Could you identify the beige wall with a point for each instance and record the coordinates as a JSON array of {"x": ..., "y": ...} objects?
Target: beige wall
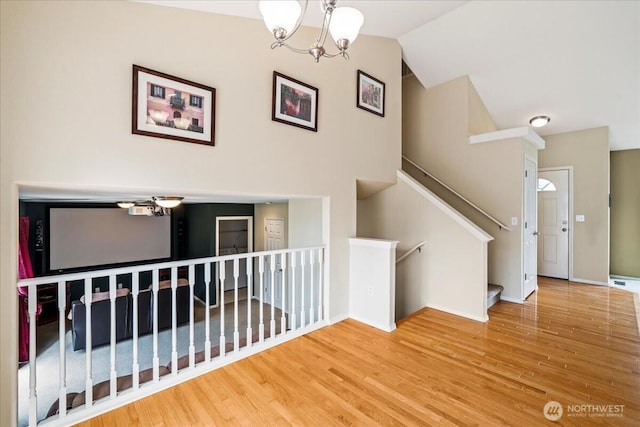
[
  {"x": 434, "y": 277},
  {"x": 66, "y": 122},
  {"x": 625, "y": 213},
  {"x": 588, "y": 152},
  {"x": 437, "y": 123}
]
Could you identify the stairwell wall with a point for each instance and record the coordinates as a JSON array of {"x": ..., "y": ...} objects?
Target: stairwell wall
[{"x": 437, "y": 123}]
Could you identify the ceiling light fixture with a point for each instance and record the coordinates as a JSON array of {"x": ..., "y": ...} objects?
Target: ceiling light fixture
[
  {"x": 539, "y": 121},
  {"x": 167, "y": 202},
  {"x": 125, "y": 205},
  {"x": 283, "y": 18}
]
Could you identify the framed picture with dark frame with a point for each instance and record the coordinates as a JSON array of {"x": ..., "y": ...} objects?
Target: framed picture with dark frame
[
  {"x": 170, "y": 107},
  {"x": 370, "y": 94},
  {"x": 294, "y": 102}
]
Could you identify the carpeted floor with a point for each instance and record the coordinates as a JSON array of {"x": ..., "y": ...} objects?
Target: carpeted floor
[{"x": 47, "y": 367}]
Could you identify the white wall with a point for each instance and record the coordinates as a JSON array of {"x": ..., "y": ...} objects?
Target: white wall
[
  {"x": 450, "y": 273},
  {"x": 66, "y": 121}
]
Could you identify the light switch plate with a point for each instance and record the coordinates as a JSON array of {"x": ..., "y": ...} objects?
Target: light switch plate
[
  {"x": 579, "y": 218},
  {"x": 514, "y": 220}
]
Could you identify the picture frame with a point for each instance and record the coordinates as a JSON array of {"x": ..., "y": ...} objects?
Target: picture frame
[
  {"x": 370, "y": 94},
  {"x": 294, "y": 103},
  {"x": 170, "y": 107}
]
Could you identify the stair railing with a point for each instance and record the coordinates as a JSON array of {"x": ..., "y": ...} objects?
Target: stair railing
[
  {"x": 417, "y": 247},
  {"x": 469, "y": 202}
]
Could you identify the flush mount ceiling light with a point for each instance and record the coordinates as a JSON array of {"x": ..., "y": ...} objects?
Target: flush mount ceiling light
[
  {"x": 283, "y": 18},
  {"x": 539, "y": 121},
  {"x": 126, "y": 205},
  {"x": 167, "y": 202}
]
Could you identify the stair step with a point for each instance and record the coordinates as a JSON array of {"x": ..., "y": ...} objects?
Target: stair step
[{"x": 493, "y": 294}]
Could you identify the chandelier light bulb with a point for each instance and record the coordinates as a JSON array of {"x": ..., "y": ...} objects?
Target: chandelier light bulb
[
  {"x": 280, "y": 14},
  {"x": 345, "y": 24}
]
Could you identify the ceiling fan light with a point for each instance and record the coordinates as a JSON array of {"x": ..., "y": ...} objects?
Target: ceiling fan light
[
  {"x": 345, "y": 24},
  {"x": 280, "y": 14},
  {"x": 125, "y": 205},
  {"x": 539, "y": 121},
  {"x": 167, "y": 202}
]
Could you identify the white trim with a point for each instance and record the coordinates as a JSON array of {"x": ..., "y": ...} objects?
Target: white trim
[
  {"x": 617, "y": 276},
  {"x": 589, "y": 282},
  {"x": 387, "y": 328},
  {"x": 483, "y": 319},
  {"x": 338, "y": 319},
  {"x": 377, "y": 243},
  {"x": 525, "y": 133},
  {"x": 476, "y": 231},
  {"x": 513, "y": 300}
]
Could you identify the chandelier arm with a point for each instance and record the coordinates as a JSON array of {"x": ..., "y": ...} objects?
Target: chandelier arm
[
  {"x": 291, "y": 48},
  {"x": 298, "y": 23}
]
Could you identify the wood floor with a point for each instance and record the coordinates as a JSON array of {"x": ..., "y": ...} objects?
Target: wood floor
[{"x": 570, "y": 343}]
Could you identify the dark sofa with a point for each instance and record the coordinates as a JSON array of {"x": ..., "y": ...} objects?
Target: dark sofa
[{"x": 101, "y": 314}]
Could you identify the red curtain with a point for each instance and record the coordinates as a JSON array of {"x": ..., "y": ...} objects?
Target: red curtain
[{"x": 25, "y": 271}]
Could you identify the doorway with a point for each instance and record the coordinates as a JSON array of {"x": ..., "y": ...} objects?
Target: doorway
[
  {"x": 274, "y": 240},
  {"x": 234, "y": 235},
  {"x": 554, "y": 228},
  {"x": 529, "y": 226}
]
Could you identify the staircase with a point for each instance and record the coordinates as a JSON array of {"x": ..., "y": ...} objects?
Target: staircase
[{"x": 493, "y": 295}]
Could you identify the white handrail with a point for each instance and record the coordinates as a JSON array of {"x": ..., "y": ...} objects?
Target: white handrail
[
  {"x": 410, "y": 251},
  {"x": 469, "y": 202}
]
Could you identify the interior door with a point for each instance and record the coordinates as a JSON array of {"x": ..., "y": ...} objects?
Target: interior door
[
  {"x": 553, "y": 202},
  {"x": 274, "y": 239},
  {"x": 530, "y": 250}
]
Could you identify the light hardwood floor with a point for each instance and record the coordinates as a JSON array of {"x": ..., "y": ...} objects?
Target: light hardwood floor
[{"x": 570, "y": 343}]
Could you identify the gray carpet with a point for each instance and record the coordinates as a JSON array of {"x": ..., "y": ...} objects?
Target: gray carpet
[{"x": 47, "y": 366}]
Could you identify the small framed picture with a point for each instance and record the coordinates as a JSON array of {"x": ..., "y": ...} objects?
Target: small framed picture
[
  {"x": 294, "y": 103},
  {"x": 169, "y": 107},
  {"x": 370, "y": 93}
]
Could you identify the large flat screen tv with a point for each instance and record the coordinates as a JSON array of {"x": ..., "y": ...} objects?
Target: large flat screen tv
[{"x": 88, "y": 237}]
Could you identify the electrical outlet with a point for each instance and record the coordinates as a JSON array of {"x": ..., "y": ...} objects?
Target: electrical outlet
[
  {"x": 514, "y": 220},
  {"x": 579, "y": 218}
]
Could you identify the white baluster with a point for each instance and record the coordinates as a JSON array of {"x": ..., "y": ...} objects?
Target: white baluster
[
  {"x": 192, "y": 347},
  {"x": 303, "y": 316},
  {"x": 283, "y": 297},
  {"x": 272, "y": 324},
  {"x": 236, "y": 333},
  {"x": 223, "y": 340},
  {"x": 33, "y": 392},
  {"x": 174, "y": 321},
  {"x": 156, "y": 360},
  {"x": 62, "y": 305},
  {"x": 293, "y": 291},
  {"x": 135, "y": 291},
  {"x": 113, "y": 384},
  {"x": 207, "y": 326},
  {"x": 312, "y": 314},
  {"x": 320, "y": 282},
  {"x": 261, "y": 322},
  {"x": 249, "y": 268},
  {"x": 88, "y": 299}
]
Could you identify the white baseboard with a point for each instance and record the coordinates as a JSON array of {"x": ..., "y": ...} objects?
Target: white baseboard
[
  {"x": 513, "y": 300},
  {"x": 459, "y": 313},
  {"x": 588, "y": 282},
  {"x": 616, "y": 276},
  {"x": 386, "y": 328},
  {"x": 338, "y": 319}
]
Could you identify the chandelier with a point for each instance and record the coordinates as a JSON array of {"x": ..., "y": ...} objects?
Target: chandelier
[{"x": 283, "y": 18}]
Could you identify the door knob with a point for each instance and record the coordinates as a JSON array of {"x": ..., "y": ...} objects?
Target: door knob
[
  {"x": 564, "y": 228},
  {"x": 535, "y": 233}
]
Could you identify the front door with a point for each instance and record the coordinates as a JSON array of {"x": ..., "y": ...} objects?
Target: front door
[
  {"x": 530, "y": 280},
  {"x": 553, "y": 203}
]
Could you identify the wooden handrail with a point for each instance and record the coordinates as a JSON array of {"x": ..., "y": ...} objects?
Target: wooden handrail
[
  {"x": 410, "y": 251},
  {"x": 469, "y": 202}
]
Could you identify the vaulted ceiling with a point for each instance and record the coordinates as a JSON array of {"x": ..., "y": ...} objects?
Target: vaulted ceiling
[{"x": 575, "y": 61}]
